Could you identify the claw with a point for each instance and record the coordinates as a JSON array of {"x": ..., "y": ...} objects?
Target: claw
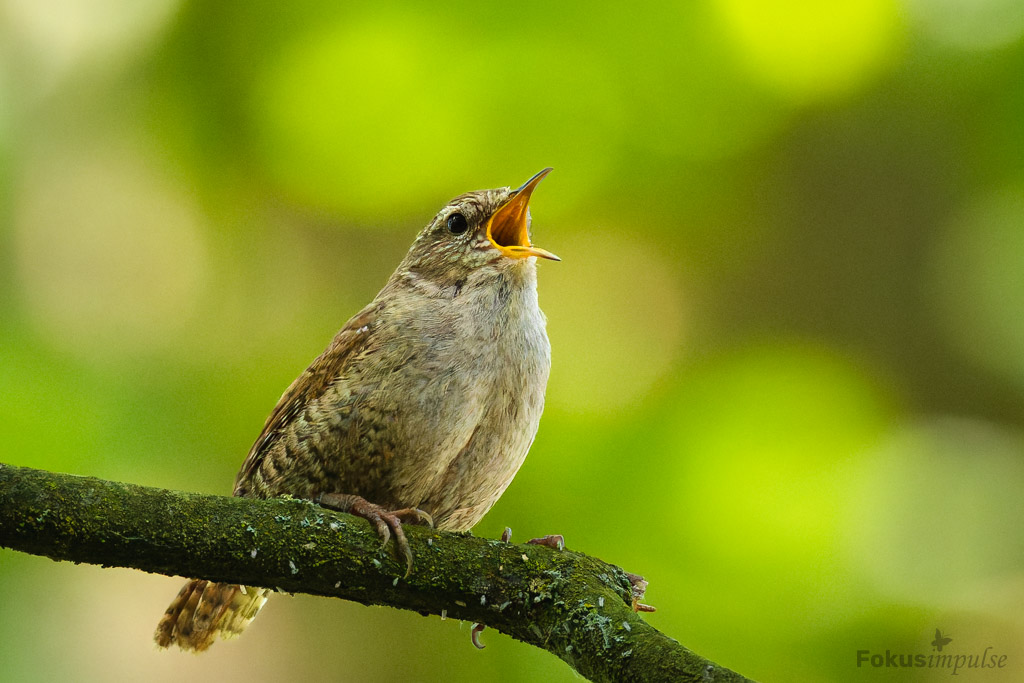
[
  {"x": 506, "y": 535},
  {"x": 475, "y": 636},
  {"x": 380, "y": 524},
  {"x": 402, "y": 543},
  {"x": 414, "y": 516},
  {"x": 639, "y": 588},
  {"x": 383, "y": 521}
]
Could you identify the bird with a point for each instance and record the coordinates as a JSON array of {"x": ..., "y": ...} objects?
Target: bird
[{"x": 420, "y": 410}]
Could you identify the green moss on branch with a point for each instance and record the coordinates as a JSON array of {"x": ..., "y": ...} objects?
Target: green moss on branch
[{"x": 573, "y": 605}]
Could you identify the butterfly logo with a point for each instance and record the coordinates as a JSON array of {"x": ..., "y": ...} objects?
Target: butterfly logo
[{"x": 940, "y": 640}]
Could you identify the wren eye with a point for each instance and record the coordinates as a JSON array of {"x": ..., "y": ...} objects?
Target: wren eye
[{"x": 457, "y": 224}]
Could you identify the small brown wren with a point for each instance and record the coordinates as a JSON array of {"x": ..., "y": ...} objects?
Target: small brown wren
[{"x": 421, "y": 409}]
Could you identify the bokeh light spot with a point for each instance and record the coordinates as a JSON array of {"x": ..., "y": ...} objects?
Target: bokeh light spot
[
  {"x": 764, "y": 436},
  {"x": 970, "y": 24},
  {"x": 110, "y": 253},
  {"x": 552, "y": 103},
  {"x": 60, "y": 36},
  {"x": 978, "y": 281},
  {"x": 928, "y": 520},
  {"x": 616, "y": 318},
  {"x": 362, "y": 119},
  {"x": 699, "y": 104},
  {"x": 806, "y": 50}
]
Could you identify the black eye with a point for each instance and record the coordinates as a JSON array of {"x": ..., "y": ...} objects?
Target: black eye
[{"x": 457, "y": 224}]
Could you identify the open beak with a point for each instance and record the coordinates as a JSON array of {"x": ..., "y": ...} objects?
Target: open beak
[{"x": 509, "y": 227}]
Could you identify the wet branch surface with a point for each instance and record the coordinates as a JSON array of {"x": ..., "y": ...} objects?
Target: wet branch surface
[{"x": 572, "y": 605}]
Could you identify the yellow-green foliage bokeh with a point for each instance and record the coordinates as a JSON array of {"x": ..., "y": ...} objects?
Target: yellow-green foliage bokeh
[{"x": 788, "y": 384}]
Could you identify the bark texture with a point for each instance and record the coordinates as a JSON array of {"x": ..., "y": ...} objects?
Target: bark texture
[{"x": 572, "y": 605}]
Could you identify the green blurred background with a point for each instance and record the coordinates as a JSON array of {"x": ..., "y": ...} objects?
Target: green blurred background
[{"x": 788, "y": 328}]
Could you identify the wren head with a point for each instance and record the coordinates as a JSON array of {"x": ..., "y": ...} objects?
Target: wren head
[{"x": 481, "y": 229}]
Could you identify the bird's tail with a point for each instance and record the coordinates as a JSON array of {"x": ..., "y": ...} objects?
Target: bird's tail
[{"x": 203, "y": 610}]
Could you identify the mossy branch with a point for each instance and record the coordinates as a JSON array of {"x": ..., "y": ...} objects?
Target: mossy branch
[{"x": 572, "y": 605}]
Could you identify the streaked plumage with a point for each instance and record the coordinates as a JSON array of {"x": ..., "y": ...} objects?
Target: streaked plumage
[{"x": 428, "y": 398}]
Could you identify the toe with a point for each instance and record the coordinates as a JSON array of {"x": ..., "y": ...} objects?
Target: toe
[
  {"x": 402, "y": 542},
  {"x": 475, "y": 636},
  {"x": 556, "y": 541},
  {"x": 425, "y": 518},
  {"x": 414, "y": 516}
]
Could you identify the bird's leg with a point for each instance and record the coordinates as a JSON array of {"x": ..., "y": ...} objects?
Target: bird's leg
[{"x": 383, "y": 520}]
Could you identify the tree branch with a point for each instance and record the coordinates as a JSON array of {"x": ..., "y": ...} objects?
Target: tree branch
[{"x": 572, "y": 605}]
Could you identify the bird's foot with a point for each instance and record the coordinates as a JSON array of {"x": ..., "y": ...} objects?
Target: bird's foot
[
  {"x": 384, "y": 521},
  {"x": 639, "y": 588},
  {"x": 556, "y": 541}
]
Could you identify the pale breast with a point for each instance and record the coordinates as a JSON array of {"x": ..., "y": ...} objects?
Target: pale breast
[
  {"x": 513, "y": 377},
  {"x": 437, "y": 412}
]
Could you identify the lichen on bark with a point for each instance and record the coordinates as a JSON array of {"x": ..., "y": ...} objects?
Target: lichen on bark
[{"x": 573, "y": 605}]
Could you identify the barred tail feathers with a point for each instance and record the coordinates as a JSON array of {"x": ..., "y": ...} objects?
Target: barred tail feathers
[{"x": 203, "y": 610}]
